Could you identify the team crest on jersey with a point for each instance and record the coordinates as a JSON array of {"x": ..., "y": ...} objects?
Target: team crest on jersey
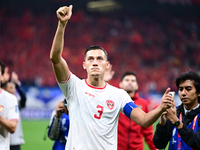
[
  {"x": 110, "y": 104},
  {"x": 1, "y": 108}
]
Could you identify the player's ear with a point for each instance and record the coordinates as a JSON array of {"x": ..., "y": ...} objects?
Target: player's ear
[
  {"x": 120, "y": 84},
  {"x": 198, "y": 94},
  {"x": 108, "y": 65},
  {"x": 137, "y": 86},
  {"x": 83, "y": 65}
]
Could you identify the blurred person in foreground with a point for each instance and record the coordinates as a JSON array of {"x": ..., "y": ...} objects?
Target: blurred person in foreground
[
  {"x": 93, "y": 104},
  {"x": 180, "y": 125},
  {"x": 59, "y": 126},
  {"x": 9, "y": 114},
  {"x": 12, "y": 85},
  {"x": 130, "y": 135}
]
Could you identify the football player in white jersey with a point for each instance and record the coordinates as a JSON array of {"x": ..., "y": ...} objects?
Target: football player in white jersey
[
  {"x": 9, "y": 114},
  {"x": 93, "y": 104},
  {"x": 12, "y": 84}
]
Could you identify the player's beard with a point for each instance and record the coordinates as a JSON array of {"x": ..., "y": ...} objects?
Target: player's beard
[
  {"x": 95, "y": 74},
  {"x": 129, "y": 89}
]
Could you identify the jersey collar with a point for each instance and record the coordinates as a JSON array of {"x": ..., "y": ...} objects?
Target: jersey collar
[{"x": 94, "y": 87}]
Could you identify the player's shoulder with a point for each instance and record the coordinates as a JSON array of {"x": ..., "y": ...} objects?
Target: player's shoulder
[
  {"x": 5, "y": 93},
  {"x": 116, "y": 89},
  {"x": 9, "y": 95},
  {"x": 72, "y": 77},
  {"x": 78, "y": 80},
  {"x": 112, "y": 87}
]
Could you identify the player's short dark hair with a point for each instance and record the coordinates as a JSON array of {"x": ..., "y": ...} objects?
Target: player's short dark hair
[
  {"x": 95, "y": 47},
  {"x": 5, "y": 84},
  {"x": 127, "y": 74},
  {"x": 189, "y": 75},
  {"x": 2, "y": 67}
]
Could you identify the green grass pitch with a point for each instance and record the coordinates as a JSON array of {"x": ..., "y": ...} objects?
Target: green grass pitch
[
  {"x": 34, "y": 132},
  {"x": 33, "y": 135}
]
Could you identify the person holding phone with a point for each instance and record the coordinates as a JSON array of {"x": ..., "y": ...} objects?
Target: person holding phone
[
  {"x": 59, "y": 126},
  {"x": 180, "y": 125}
]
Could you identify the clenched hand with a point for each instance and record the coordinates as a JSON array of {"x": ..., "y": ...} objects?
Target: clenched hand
[{"x": 64, "y": 14}]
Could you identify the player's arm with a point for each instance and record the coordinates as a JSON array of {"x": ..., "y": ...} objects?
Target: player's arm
[
  {"x": 22, "y": 102},
  {"x": 9, "y": 125},
  {"x": 54, "y": 126},
  {"x": 60, "y": 66},
  {"x": 147, "y": 119}
]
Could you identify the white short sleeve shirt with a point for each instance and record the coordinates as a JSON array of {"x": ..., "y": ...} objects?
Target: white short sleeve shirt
[
  {"x": 93, "y": 114},
  {"x": 8, "y": 110}
]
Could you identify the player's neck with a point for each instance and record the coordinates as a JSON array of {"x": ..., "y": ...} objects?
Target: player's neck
[
  {"x": 132, "y": 94},
  {"x": 97, "y": 82}
]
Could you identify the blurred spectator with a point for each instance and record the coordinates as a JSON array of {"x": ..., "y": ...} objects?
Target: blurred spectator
[
  {"x": 11, "y": 85},
  {"x": 130, "y": 135},
  {"x": 158, "y": 45},
  {"x": 9, "y": 114},
  {"x": 59, "y": 126}
]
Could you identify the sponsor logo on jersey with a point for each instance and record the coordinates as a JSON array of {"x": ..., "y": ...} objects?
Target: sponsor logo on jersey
[
  {"x": 1, "y": 108},
  {"x": 89, "y": 94},
  {"x": 110, "y": 104}
]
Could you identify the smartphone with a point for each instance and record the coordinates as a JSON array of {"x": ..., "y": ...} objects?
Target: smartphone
[{"x": 172, "y": 93}]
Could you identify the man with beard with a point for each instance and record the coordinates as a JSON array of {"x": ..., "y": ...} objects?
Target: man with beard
[{"x": 130, "y": 135}]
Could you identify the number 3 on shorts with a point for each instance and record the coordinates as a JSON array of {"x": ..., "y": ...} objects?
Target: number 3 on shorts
[{"x": 100, "y": 112}]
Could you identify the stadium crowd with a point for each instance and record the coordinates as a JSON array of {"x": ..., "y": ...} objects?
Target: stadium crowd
[{"x": 158, "y": 46}]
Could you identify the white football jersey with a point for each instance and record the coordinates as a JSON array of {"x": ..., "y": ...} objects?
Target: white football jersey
[
  {"x": 9, "y": 110},
  {"x": 93, "y": 114}
]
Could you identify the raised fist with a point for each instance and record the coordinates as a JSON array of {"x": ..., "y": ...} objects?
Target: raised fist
[{"x": 64, "y": 14}]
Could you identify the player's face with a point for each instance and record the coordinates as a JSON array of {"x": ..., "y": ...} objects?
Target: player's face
[
  {"x": 187, "y": 93},
  {"x": 95, "y": 63},
  {"x": 129, "y": 83},
  {"x": 10, "y": 88}
]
